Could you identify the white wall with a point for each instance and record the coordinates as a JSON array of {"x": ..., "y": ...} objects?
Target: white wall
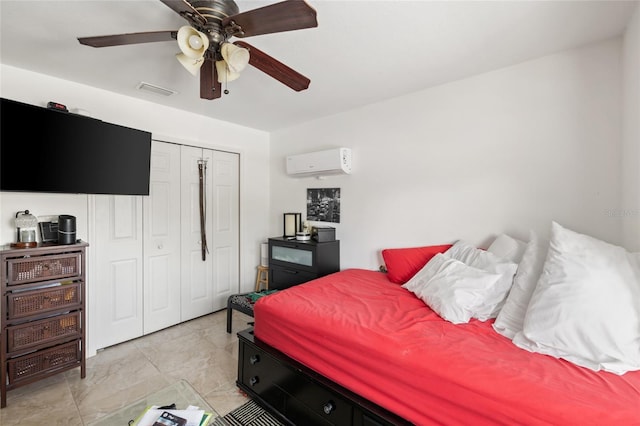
[
  {"x": 506, "y": 151},
  {"x": 629, "y": 210},
  {"x": 165, "y": 124}
]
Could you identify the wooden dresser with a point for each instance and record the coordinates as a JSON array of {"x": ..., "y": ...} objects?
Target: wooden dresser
[{"x": 42, "y": 313}]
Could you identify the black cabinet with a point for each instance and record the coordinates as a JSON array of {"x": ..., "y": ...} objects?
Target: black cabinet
[
  {"x": 298, "y": 395},
  {"x": 293, "y": 262}
]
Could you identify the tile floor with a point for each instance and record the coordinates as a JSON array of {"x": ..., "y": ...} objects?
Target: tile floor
[{"x": 199, "y": 351}]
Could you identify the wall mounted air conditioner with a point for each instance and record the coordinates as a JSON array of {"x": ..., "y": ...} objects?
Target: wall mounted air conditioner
[{"x": 334, "y": 161}]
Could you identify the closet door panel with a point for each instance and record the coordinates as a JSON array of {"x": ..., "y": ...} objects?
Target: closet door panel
[
  {"x": 224, "y": 244},
  {"x": 197, "y": 274},
  {"x": 122, "y": 274},
  {"x": 118, "y": 277},
  {"x": 162, "y": 239}
]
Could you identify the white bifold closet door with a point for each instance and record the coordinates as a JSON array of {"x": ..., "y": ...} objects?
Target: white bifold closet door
[
  {"x": 162, "y": 239},
  {"x": 206, "y": 284},
  {"x": 117, "y": 285},
  {"x": 149, "y": 272},
  {"x": 224, "y": 245}
]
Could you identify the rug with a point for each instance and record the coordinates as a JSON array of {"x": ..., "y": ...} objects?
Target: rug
[{"x": 249, "y": 414}]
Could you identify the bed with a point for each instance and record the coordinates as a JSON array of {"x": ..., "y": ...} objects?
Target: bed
[{"x": 366, "y": 337}]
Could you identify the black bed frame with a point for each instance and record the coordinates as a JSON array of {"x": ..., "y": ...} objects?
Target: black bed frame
[{"x": 299, "y": 396}]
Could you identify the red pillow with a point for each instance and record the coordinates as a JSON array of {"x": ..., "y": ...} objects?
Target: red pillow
[{"x": 404, "y": 263}]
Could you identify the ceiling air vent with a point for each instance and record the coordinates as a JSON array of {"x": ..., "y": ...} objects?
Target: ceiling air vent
[{"x": 155, "y": 89}]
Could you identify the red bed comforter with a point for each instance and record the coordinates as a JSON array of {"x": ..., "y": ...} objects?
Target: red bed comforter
[{"x": 380, "y": 341}]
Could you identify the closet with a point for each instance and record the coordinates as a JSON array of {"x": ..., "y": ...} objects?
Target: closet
[
  {"x": 151, "y": 269},
  {"x": 209, "y": 282}
]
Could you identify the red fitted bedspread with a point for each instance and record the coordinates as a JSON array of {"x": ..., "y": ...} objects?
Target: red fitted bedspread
[{"x": 380, "y": 341}]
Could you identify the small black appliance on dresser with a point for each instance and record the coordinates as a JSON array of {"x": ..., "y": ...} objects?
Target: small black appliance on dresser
[
  {"x": 66, "y": 229},
  {"x": 293, "y": 262},
  {"x": 322, "y": 234}
]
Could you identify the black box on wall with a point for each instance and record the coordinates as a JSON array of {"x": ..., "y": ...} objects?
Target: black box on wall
[{"x": 323, "y": 234}]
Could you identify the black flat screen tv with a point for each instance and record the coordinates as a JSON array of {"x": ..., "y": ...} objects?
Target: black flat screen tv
[{"x": 47, "y": 150}]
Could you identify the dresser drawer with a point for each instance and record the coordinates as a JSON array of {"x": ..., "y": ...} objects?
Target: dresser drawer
[
  {"x": 26, "y": 303},
  {"x": 43, "y": 268},
  {"x": 45, "y": 361},
  {"x": 281, "y": 278},
  {"x": 43, "y": 332},
  {"x": 320, "y": 401},
  {"x": 289, "y": 254}
]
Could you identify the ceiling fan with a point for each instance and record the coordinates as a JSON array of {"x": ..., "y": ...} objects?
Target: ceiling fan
[{"x": 205, "y": 45}]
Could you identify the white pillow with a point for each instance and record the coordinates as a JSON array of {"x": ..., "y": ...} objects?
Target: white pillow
[
  {"x": 489, "y": 262},
  {"x": 511, "y": 316},
  {"x": 508, "y": 248},
  {"x": 452, "y": 289},
  {"x": 586, "y": 305}
]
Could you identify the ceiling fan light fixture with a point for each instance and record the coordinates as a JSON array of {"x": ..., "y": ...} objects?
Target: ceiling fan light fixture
[
  {"x": 192, "y": 42},
  {"x": 204, "y": 40},
  {"x": 195, "y": 42},
  {"x": 236, "y": 57},
  {"x": 225, "y": 74},
  {"x": 192, "y": 65}
]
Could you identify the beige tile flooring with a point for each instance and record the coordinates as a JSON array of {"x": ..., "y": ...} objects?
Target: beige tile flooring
[{"x": 199, "y": 351}]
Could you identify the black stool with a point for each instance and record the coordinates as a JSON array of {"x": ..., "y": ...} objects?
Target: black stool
[
  {"x": 239, "y": 302},
  {"x": 244, "y": 303}
]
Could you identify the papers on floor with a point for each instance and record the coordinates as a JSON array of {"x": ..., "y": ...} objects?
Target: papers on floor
[{"x": 193, "y": 415}]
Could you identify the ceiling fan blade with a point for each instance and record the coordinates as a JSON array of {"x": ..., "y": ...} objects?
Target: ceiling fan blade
[
  {"x": 275, "y": 68},
  {"x": 184, "y": 9},
  {"x": 279, "y": 17},
  {"x": 131, "y": 38},
  {"x": 210, "y": 87}
]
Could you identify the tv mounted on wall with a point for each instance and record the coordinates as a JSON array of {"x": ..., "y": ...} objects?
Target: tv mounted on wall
[{"x": 47, "y": 150}]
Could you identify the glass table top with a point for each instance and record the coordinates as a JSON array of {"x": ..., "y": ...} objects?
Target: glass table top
[{"x": 181, "y": 393}]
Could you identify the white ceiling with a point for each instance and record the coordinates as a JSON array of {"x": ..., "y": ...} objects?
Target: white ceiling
[{"x": 362, "y": 52}]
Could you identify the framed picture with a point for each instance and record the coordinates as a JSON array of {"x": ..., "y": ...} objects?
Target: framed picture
[{"x": 323, "y": 204}]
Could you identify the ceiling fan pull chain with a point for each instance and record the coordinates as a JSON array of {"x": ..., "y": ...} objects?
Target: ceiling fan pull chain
[{"x": 226, "y": 78}]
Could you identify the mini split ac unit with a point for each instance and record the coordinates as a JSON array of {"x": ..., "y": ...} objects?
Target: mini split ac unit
[{"x": 334, "y": 161}]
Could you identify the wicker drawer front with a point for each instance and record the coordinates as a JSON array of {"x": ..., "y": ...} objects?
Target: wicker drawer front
[
  {"x": 27, "y": 366},
  {"x": 26, "y": 303},
  {"x": 36, "y": 333},
  {"x": 27, "y": 270}
]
